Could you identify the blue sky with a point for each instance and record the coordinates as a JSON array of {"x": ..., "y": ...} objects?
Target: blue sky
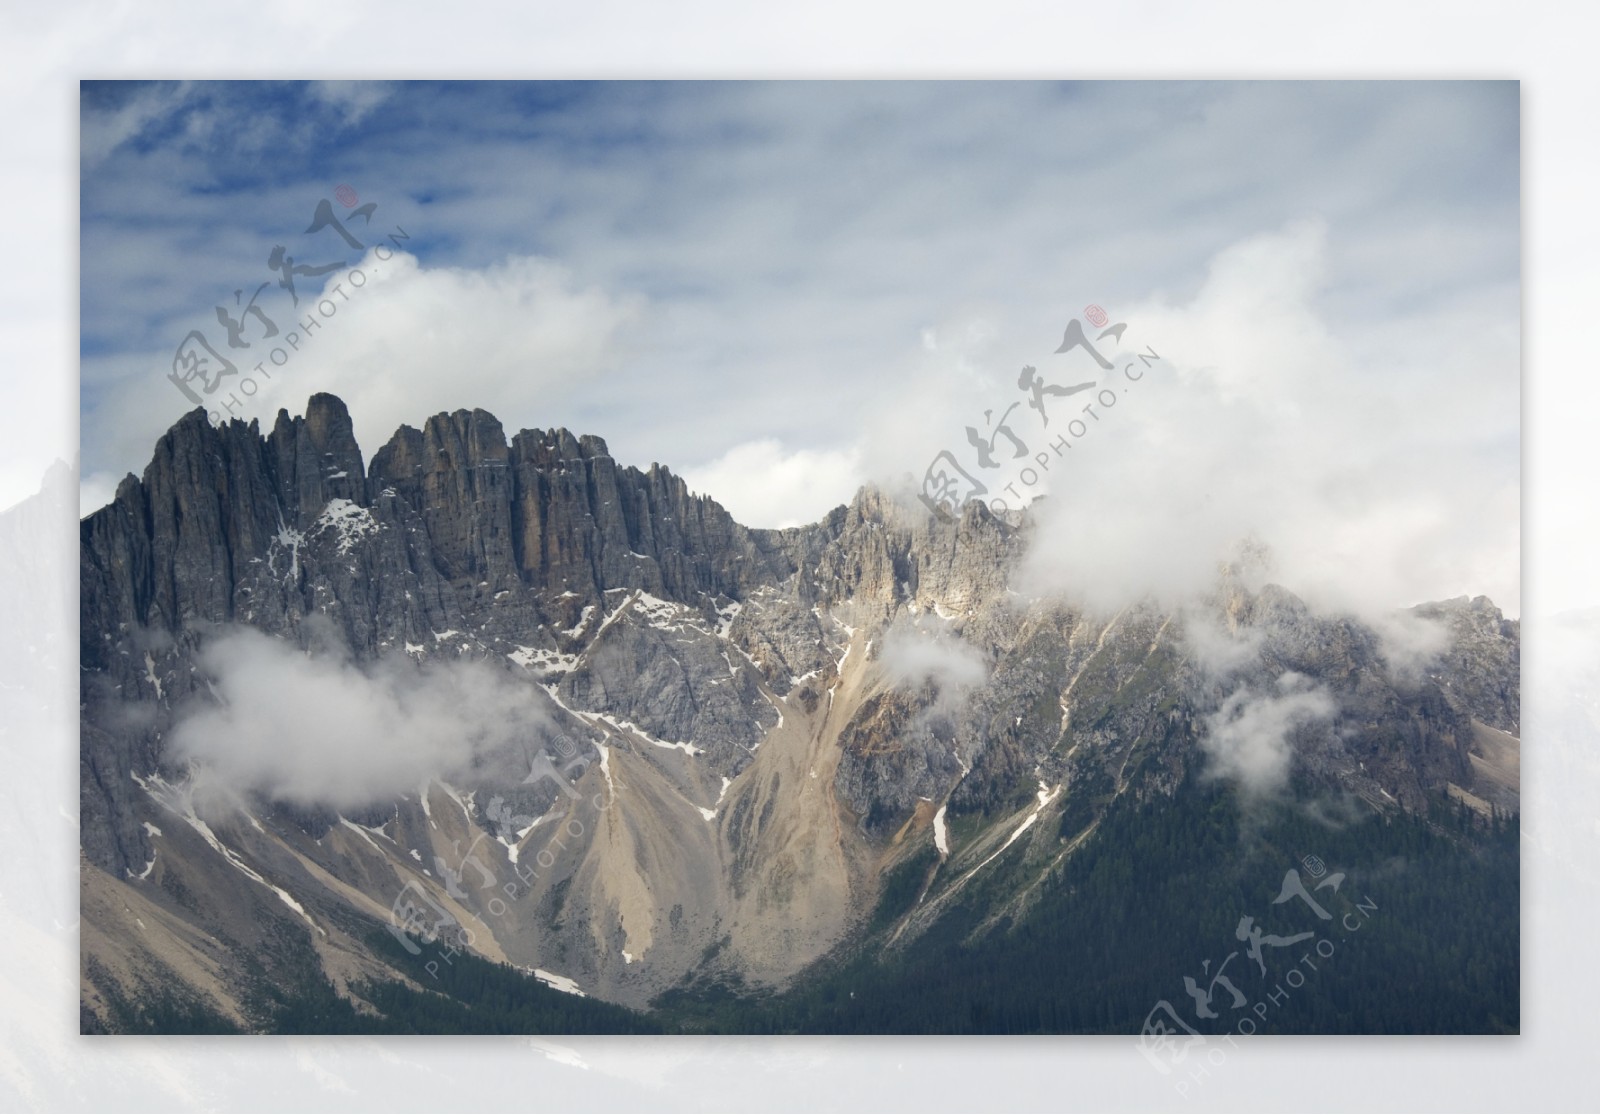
[{"x": 783, "y": 289}]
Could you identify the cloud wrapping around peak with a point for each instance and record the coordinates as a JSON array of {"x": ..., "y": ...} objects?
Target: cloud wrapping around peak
[
  {"x": 1380, "y": 471},
  {"x": 1410, "y": 644},
  {"x": 1220, "y": 651}
]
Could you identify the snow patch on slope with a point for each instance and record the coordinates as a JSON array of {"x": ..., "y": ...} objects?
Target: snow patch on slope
[
  {"x": 548, "y": 661},
  {"x": 290, "y": 539},
  {"x": 366, "y": 833},
  {"x": 583, "y": 618},
  {"x": 150, "y": 673},
  {"x": 687, "y": 746},
  {"x": 180, "y": 801},
  {"x": 349, "y": 521},
  {"x": 560, "y": 983},
  {"x": 1046, "y": 795}
]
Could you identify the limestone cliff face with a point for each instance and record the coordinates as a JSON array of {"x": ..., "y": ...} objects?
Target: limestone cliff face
[{"x": 743, "y": 700}]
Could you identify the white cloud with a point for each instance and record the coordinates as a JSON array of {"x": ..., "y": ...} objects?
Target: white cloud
[
  {"x": 104, "y": 130},
  {"x": 515, "y": 339},
  {"x": 761, "y": 485},
  {"x": 1377, "y": 465},
  {"x": 838, "y": 267},
  {"x": 1219, "y": 649},
  {"x": 1410, "y": 645},
  {"x": 95, "y": 491},
  {"x": 917, "y": 653},
  {"x": 321, "y": 730},
  {"x": 1248, "y": 739},
  {"x": 352, "y": 99}
]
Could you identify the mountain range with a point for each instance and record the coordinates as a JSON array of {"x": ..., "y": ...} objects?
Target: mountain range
[{"x": 498, "y": 733}]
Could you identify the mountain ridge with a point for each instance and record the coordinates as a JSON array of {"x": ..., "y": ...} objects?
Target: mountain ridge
[{"x": 782, "y": 716}]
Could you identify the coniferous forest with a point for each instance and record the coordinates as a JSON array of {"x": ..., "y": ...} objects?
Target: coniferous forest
[{"x": 1157, "y": 893}]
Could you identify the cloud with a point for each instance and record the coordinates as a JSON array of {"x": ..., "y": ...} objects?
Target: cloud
[
  {"x": 353, "y": 100},
  {"x": 1378, "y": 467},
  {"x": 95, "y": 491},
  {"x": 514, "y": 338},
  {"x": 1248, "y": 739},
  {"x": 322, "y": 730},
  {"x": 917, "y": 654},
  {"x": 1410, "y": 644},
  {"x": 761, "y": 485},
  {"x": 115, "y": 113},
  {"x": 1217, "y": 649}
]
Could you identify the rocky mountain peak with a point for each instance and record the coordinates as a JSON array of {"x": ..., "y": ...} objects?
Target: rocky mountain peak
[
  {"x": 783, "y": 714},
  {"x": 1479, "y": 659}
]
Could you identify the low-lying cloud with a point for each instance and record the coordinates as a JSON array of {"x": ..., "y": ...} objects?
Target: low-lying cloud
[
  {"x": 1249, "y": 739},
  {"x": 1219, "y": 650},
  {"x": 1410, "y": 644},
  {"x": 916, "y": 654},
  {"x": 316, "y": 730}
]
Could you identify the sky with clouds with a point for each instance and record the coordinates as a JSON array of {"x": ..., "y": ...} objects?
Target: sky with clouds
[{"x": 781, "y": 290}]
